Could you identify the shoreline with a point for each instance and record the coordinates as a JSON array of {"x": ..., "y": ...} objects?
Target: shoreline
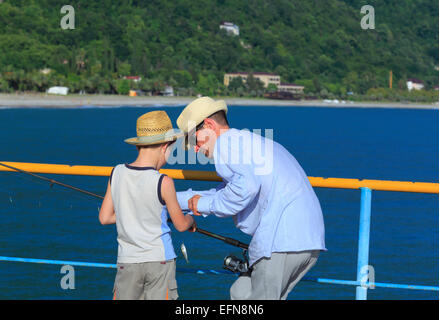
[{"x": 35, "y": 100}]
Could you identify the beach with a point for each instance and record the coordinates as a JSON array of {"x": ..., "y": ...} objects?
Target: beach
[{"x": 29, "y": 100}]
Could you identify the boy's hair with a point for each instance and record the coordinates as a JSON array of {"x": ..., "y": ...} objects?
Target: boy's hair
[{"x": 153, "y": 146}]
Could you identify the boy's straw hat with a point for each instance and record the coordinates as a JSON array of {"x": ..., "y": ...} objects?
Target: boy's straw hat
[
  {"x": 196, "y": 112},
  {"x": 153, "y": 128}
]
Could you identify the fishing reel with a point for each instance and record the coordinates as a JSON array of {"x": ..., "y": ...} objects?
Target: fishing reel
[{"x": 237, "y": 265}]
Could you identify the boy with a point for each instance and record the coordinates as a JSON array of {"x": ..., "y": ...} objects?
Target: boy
[{"x": 135, "y": 200}]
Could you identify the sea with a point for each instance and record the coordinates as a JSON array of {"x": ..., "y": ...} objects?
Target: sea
[{"x": 44, "y": 221}]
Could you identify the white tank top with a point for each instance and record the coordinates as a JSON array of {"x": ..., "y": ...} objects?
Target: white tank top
[{"x": 143, "y": 234}]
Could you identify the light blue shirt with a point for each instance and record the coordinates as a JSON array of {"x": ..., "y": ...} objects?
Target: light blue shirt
[{"x": 266, "y": 192}]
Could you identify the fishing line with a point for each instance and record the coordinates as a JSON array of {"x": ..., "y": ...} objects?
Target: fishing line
[
  {"x": 52, "y": 181},
  {"x": 227, "y": 240},
  {"x": 42, "y": 181}
]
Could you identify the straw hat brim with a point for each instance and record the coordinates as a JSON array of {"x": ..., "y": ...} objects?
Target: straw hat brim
[
  {"x": 169, "y": 136},
  {"x": 195, "y": 113}
]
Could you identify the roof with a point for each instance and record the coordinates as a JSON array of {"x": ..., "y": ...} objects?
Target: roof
[
  {"x": 414, "y": 80},
  {"x": 225, "y": 23},
  {"x": 254, "y": 73}
]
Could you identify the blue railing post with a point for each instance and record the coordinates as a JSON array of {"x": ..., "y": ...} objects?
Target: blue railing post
[{"x": 363, "y": 243}]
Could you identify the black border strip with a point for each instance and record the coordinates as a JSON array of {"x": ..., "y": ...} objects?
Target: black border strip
[
  {"x": 159, "y": 189},
  {"x": 138, "y": 168},
  {"x": 111, "y": 175}
]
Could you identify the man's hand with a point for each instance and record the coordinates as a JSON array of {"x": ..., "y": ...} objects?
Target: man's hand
[{"x": 192, "y": 204}]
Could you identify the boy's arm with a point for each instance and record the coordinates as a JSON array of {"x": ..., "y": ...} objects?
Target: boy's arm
[
  {"x": 107, "y": 214},
  {"x": 181, "y": 222}
]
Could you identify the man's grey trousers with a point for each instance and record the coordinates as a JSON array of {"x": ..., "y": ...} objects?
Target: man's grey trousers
[{"x": 274, "y": 278}]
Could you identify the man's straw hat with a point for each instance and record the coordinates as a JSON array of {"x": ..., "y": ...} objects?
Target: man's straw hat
[
  {"x": 154, "y": 127},
  {"x": 196, "y": 112}
]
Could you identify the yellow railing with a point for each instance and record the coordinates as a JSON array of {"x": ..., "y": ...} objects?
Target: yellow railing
[{"x": 383, "y": 185}]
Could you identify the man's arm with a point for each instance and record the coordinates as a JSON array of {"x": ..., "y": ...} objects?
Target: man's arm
[
  {"x": 234, "y": 162},
  {"x": 184, "y": 196},
  {"x": 234, "y": 198}
]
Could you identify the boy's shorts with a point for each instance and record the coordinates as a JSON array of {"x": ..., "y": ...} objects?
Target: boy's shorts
[{"x": 145, "y": 281}]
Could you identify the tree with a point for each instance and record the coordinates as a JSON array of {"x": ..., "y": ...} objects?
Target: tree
[
  {"x": 123, "y": 87},
  {"x": 254, "y": 84},
  {"x": 235, "y": 84},
  {"x": 166, "y": 40},
  {"x": 4, "y": 86},
  {"x": 271, "y": 88},
  {"x": 124, "y": 69},
  {"x": 207, "y": 85}
]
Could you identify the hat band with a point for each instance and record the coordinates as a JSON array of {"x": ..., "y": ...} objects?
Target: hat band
[
  {"x": 154, "y": 138},
  {"x": 168, "y": 136}
]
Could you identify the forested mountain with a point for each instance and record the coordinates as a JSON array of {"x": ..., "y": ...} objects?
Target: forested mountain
[{"x": 319, "y": 43}]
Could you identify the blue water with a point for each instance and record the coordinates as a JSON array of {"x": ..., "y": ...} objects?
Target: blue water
[{"x": 38, "y": 221}]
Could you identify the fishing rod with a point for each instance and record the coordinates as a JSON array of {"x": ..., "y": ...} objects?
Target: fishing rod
[
  {"x": 52, "y": 182},
  {"x": 227, "y": 240}
]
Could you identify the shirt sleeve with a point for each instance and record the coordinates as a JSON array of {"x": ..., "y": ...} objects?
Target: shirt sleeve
[
  {"x": 184, "y": 196},
  {"x": 243, "y": 186}
]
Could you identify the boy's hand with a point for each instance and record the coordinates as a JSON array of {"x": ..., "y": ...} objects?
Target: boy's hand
[{"x": 192, "y": 204}]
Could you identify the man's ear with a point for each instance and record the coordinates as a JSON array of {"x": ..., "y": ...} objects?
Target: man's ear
[{"x": 210, "y": 123}]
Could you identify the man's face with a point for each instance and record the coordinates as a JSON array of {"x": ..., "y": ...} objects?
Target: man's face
[{"x": 206, "y": 138}]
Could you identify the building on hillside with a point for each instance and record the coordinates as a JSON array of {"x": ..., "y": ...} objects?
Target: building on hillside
[
  {"x": 58, "y": 90},
  {"x": 133, "y": 78},
  {"x": 264, "y": 77},
  {"x": 230, "y": 27},
  {"x": 46, "y": 71},
  {"x": 168, "y": 92},
  {"x": 415, "y": 84},
  {"x": 436, "y": 88},
  {"x": 290, "y": 87}
]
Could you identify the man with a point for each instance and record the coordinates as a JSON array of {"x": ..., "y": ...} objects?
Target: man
[{"x": 274, "y": 203}]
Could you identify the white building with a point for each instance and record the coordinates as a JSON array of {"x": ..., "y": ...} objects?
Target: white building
[
  {"x": 290, "y": 87},
  {"x": 415, "y": 84},
  {"x": 265, "y": 77},
  {"x": 230, "y": 27},
  {"x": 58, "y": 90},
  {"x": 168, "y": 92},
  {"x": 44, "y": 71}
]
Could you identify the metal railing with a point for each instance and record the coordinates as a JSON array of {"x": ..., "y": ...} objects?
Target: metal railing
[{"x": 362, "y": 282}]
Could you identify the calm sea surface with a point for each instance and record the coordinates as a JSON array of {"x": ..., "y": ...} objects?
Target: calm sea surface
[{"x": 38, "y": 221}]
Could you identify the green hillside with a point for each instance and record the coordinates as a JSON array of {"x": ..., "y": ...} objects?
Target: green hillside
[{"x": 318, "y": 43}]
